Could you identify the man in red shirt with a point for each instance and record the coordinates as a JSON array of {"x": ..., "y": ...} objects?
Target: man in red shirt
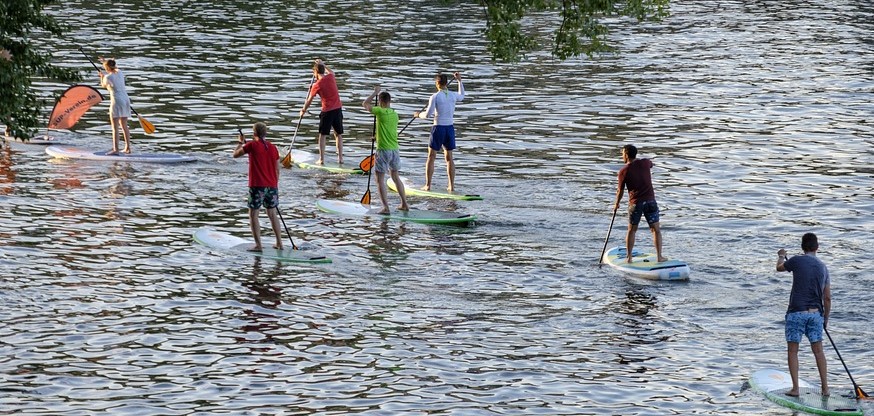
[
  {"x": 331, "y": 115},
  {"x": 263, "y": 181},
  {"x": 635, "y": 175}
]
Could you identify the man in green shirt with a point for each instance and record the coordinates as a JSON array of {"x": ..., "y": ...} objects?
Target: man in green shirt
[{"x": 388, "y": 157}]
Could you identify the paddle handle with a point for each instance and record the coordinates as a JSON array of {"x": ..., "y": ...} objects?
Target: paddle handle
[{"x": 609, "y": 230}]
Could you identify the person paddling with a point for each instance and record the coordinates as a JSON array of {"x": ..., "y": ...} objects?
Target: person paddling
[
  {"x": 387, "y": 150},
  {"x": 810, "y": 303},
  {"x": 441, "y": 106},
  {"x": 263, "y": 181},
  {"x": 636, "y": 176},
  {"x": 119, "y": 108},
  {"x": 331, "y": 116}
]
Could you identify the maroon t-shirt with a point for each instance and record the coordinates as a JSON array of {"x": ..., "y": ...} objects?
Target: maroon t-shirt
[
  {"x": 262, "y": 163},
  {"x": 637, "y": 180}
]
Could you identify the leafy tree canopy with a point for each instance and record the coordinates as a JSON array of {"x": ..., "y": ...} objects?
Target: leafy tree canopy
[
  {"x": 581, "y": 30},
  {"x": 21, "y": 61}
]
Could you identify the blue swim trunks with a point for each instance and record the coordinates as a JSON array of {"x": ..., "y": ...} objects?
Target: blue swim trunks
[
  {"x": 806, "y": 323},
  {"x": 442, "y": 137},
  {"x": 648, "y": 209}
]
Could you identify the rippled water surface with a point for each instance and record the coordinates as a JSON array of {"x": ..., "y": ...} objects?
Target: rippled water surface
[{"x": 757, "y": 115}]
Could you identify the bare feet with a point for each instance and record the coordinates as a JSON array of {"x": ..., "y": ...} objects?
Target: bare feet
[
  {"x": 340, "y": 160},
  {"x": 426, "y": 188},
  {"x": 663, "y": 259},
  {"x": 404, "y": 208},
  {"x": 254, "y": 248},
  {"x": 126, "y": 150},
  {"x": 792, "y": 393},
  {"x": 277, "y": 246},
  {"x": 825, "y": 393},
  {"x": 628, "y": 260},
  {"x": 384, "y": 211},
  {"x": 320, "y": 162},
  {"x": 450, "y": 189},
  {"x": 112, "y": 152}
]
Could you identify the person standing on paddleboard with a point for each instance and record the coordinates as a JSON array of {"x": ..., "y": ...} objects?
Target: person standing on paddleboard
[
  {"x": 810, "y": 303},
  {"x": 119, "y": 107},
  {"x": 388, "y": 157},
  {"x": 441, "y": 106},
  {"x": 331, "y": 115},
  {"x": 263, "y": 181},
  {"x": 636, "y": 176}
]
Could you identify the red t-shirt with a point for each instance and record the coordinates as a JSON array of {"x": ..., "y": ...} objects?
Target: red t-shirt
[
  {"x": 326, "y": 88},
  {"x": 636, "y": 177},
  {"x": 263, "y": 157}
]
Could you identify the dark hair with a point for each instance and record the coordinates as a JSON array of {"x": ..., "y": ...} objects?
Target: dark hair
[
  {"x": 319, "y": 67},
  {"x": 260, "y": 130},
  {"x": 110, "y": 63},
  {"x": 809, "y": 242},
  {"x": 441, "y": 79},
  {"x": 630, "y": 150},
  {"x": 384, "y": 97}
]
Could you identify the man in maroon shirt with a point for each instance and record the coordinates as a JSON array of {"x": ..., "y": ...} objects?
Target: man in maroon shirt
[
  {"x": 331, "y": 115},
  {"x": 635, "y": 175},
  {"x": 263, "y": 181}
]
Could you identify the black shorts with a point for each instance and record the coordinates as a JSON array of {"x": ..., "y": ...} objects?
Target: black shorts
[{"x": 331, "y": 119}]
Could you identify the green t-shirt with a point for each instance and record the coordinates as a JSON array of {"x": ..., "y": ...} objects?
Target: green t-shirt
[{"x": 386, "y": 128}]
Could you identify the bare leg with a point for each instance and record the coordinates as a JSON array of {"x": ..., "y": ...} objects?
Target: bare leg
[
  {"x": 338, "y": 141},
  {"x": 383, "y": 193},
  {"x": 256, "y": 229},
  {"x": 657, "y": 240},
  {"x": 792, "y": 356},
  {"x": 114, "y": 136},
  {"x": 321, "y": 160},
  {"x": 450, "y": 169},
  {"x": 122, "y": 121},
  {"x": 274, "y": 222},
  {"x": 401, "y": 190},
  {"x": 629, "y": 241},
  {"x": 821, "y": 366},
  {"x": 429, "y": 168}
]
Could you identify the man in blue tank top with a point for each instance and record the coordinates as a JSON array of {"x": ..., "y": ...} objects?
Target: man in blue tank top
[{"x": 809, "y": 306}]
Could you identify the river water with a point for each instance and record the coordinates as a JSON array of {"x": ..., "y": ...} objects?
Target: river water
[{"x": 757, "y": 115}]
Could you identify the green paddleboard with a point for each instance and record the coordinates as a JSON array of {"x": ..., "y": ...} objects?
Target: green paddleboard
[
  {"x": 307, "y": 160},
  {"x": 774, "y": 383},
  {"x": 412, "y": 189},
  {"x": 413, "y": 215}
]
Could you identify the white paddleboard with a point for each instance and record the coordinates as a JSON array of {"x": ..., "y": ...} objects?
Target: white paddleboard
[
  {"x": 774, "y": 383},
  {"x": 69, "y": 152},
  {"x": 225, "y": 242},
  {"x": 413, "y": 215},
  {"x": 413, "y": 190},
  {"x": 307, "y": 160},
  {"x": 646, "y": 265}
]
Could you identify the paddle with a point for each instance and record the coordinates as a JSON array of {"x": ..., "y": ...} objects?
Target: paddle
[
  {"x": 601, "y": 258},
  {"x": 365, "y": 200},
  {"x": 423, "y": 109},
  {"x": 860, "y": 394},
  {"x": 287, "y": 159},
  {"x": 286, "y": 228},
  {"x": 147, "y": 126}
]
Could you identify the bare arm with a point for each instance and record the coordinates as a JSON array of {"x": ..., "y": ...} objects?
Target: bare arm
[
  {"x": 368, "y": 102},
  {"x": 238, "y": 151},
  {"x": 781, "y": 258},
  {"x": 620, "y": 191},
  {"x": 826, "y": 304}
]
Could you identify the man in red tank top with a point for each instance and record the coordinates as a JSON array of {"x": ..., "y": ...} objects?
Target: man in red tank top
[
  {"x": 263, "y": 181},
  {"x": 635, "y": 176},
  {"x": 331, "y": 116}
]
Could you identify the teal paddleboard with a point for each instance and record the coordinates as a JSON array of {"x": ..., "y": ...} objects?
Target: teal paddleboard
[
  {"x": 412, "y": 189},
  {"x": 225, "y": 242},
  {"x": 307, "y": 160},
  {"x": 774, "y": 383},
  {"x": 413, "y": 215}
]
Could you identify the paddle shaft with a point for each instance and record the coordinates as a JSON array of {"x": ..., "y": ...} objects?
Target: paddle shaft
[
  {"x": 857, "y": 390},
  {"x": 286, "y": 228},
  {"x": 610, "y": 229},
  {"x": 423, "y": 109},
  {"x": 300, "y": 119},
  {"x": 366, "y": 198}
]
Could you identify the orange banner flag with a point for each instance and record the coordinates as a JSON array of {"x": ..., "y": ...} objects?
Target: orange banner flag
[{"x": 72, "y": 105}]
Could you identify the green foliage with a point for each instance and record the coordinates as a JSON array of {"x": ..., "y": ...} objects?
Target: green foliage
[
  {"x": 20, "y": 22},
  {"x": 581, "y": 30}
]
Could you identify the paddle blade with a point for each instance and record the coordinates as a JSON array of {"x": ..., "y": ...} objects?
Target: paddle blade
[
  {"x": 147, "y": 126},
  {"x": 861, "y": 395},
  {"x": 287, "y": 161},
  {"x": 365, "y": 200},
  {"x": 367, "y": 163}
]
